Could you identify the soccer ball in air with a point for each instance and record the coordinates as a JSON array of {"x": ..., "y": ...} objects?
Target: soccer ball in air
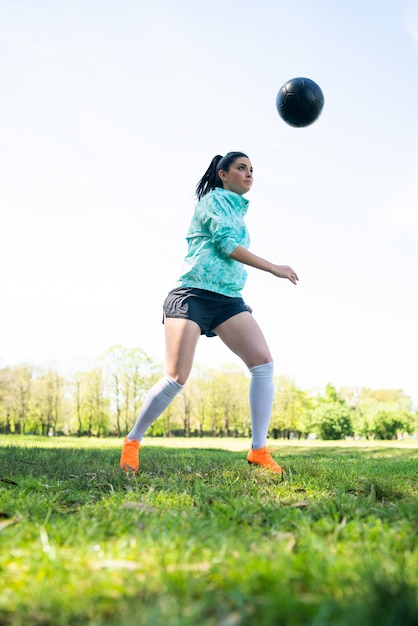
[{"x": 300, "y": 102}]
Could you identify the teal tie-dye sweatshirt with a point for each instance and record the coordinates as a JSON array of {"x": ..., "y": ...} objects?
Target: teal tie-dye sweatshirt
[{"x": 216, "y": 229}]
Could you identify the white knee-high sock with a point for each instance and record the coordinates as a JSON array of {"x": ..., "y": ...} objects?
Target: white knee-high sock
[
  {"x": 156, "y": 401},
  {"x": 261, "y": 402}
]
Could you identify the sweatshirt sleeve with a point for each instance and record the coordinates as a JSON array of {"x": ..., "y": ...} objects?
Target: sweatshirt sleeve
[{"x": 219, "y": 221}]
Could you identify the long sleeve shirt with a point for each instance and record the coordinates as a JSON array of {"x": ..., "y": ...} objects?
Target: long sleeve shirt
[{"x": 216, "y": 229}]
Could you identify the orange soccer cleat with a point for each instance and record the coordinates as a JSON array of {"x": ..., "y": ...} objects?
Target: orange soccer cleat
[
  {"x": 263, "y": 457},
  {"x": 129, "y": 460}
]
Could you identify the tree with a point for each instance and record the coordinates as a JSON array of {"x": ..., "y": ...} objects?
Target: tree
[
  {"x": 201, "y": 386},
  {"x": 330, "y": 396},
  {"x": 129, "y": 373},
  {"x": 78, "y": 389},
  {"x": 387, "y": 424},
  {"x": 6, "y": 401},
  {"x": 186, "y": 404},
  {"x": 228, "y": 401},
  {"x": 393, "y": 397},
  {"x": 20, "y": 397},
  {"x": 48, "y": 402},
  {"x": 91, "y": 402},
  {"x": 289, "y": 408},
  {"x": 332, "y": 420},
  {"x": 392, "y": 403}
]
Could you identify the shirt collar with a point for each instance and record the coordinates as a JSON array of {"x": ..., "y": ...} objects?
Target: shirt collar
[{"x": 237, "y": 198}]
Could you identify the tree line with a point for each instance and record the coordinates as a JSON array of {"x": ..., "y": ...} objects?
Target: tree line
[{"x": 105, "y": 399}]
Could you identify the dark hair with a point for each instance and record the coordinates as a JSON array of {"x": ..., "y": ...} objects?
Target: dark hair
[{"x": 210, "y": 178}]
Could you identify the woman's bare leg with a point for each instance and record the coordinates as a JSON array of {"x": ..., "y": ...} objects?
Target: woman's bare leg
[
  {"x": 181, "y": 337},
  {"x": 244, "y": 337}
]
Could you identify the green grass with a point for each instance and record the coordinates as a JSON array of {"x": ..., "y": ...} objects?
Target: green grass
[{"x": 201, "y": 538}]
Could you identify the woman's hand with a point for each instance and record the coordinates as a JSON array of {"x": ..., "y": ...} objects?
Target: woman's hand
[{"x": 284, "y": 271}]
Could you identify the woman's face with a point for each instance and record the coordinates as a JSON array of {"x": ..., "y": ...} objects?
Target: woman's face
[{"x": 239, "y": 177}]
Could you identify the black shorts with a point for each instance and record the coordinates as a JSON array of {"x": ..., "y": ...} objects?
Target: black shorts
[{"x": 206, "y": 308}]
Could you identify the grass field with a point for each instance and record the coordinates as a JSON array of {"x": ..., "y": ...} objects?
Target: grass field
[{"x": 200, "y": 538}]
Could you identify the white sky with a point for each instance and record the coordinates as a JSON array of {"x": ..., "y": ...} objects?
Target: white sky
[{"x": 110, "y": 113}]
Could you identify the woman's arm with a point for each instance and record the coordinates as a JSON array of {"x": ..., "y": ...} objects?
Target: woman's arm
[{"x": 249, "y": 258}]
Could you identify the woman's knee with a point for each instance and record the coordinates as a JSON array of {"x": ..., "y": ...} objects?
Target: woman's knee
[
  {"x": 180, "y": 377},
  {"x": 261, "y": 359}
]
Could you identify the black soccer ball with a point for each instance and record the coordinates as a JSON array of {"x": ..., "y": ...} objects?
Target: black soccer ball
[{"x": 300, "y": 102}]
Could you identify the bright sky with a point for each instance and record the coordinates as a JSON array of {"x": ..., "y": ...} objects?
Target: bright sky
[{"x": 110, "y": 112}]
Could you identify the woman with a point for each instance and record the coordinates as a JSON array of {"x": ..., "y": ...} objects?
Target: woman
[{"x": 207, "y": 300}]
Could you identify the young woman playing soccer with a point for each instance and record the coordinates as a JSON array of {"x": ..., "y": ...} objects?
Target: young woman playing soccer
[{"x": 207, "y": 300}]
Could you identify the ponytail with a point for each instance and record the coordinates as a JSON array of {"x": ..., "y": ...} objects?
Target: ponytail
[{"x": 210, "y": 179}]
